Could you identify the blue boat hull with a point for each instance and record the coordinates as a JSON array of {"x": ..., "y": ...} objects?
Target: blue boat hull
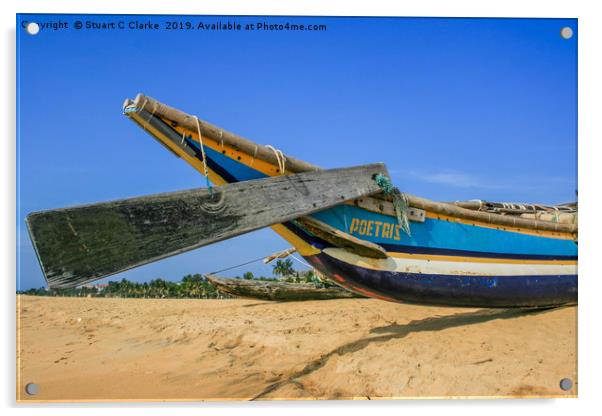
[{"x": 450, "y": 290}]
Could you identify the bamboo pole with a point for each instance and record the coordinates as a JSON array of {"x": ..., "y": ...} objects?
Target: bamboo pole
[{"x": 218, "y": 134}]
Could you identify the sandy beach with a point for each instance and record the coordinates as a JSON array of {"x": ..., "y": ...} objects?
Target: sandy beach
[{"x": 145, "y": 349}]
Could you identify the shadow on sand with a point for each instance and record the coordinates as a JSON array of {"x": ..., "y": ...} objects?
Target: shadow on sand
[{"x": 395, "y": 331}]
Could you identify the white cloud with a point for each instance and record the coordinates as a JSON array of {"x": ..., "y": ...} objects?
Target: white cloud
[
  {"x": 451, "y": 178},
  {"x": 466, "y": 180}
]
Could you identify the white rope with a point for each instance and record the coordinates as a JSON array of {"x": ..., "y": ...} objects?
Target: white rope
[
  {"x": 198, "y": 126},
  {"x": 279, "y": 157},
  {"x": 149, "y": 116},
  {"x": 301, "y": 261}
]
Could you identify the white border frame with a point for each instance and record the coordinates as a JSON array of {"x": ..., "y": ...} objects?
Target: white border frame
[{"x": 590, "y": 68}]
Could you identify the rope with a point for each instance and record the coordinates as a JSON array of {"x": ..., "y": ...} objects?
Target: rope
[
  {"x": 198, "y": 126},
  {"x": 238, "y": 265},
  {"x": 301, "y": 261},
  {"x": 400, "y": 201},
  {"x": 280, "y": 158},
  {"x": 254, "y": 261}
]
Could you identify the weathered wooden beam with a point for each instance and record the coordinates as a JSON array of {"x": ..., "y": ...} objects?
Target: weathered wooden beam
[
  {"x": 341, "y": 239},
  {"x": 278, "y": 291},
  {"x": 85, "y": 243},
  {"x": 279, "y": 255}
]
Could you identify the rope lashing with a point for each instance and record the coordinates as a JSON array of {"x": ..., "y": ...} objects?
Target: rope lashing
[
  {"x": 384, "y": 183},
  {"x": 280, "y": 158},
  {"x": 400, "y": 201},
  {"x": 556, "y": 215},
  {"x": 198, "y": 126}
]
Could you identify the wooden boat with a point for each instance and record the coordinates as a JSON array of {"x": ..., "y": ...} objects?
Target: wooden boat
[
  {"x": 278, "y": 291},
  {"x": 379, "y": 243}
]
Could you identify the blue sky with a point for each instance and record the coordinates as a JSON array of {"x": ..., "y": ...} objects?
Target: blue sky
[{"x": 456, "y": 108}]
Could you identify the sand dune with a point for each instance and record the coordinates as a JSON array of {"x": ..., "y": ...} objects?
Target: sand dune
[{"x": 143, "y": 349}]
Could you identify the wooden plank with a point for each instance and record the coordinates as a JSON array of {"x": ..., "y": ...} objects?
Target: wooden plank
[
  {"x": 278, "y": 291},
  {"x": 386, "y": 207},
  {"x": 85, "y": 243},
  {"x": 341, "y": 239}
]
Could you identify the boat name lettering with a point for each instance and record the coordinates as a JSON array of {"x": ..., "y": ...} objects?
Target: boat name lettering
[{"x": 377, "y": 229}]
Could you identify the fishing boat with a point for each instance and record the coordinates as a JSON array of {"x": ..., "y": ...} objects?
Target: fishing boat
[
  {"x": 364, "y": 234},
  {"x": 277, "y": 290}
]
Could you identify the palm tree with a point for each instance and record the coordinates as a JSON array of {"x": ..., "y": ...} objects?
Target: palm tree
[{"x": 283, "y": 268}]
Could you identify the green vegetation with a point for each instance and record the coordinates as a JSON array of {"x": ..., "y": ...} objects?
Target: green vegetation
[{"x": 192, "y": 286}]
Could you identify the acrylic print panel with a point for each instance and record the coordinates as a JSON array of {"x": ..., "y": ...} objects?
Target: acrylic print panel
[{"x": 420, "y": 281}]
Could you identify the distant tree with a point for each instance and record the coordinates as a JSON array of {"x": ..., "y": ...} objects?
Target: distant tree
[
  {"x": 248, "y": 276},
  {"x": 196, "y": 278},
  {"x": 159, "y": 288},
  {"x": 283, "y": 268}
]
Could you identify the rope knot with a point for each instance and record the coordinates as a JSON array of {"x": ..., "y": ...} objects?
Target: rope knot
[
  {"x": 280, "y": 158},
  {"x": 400, "y": 201}
]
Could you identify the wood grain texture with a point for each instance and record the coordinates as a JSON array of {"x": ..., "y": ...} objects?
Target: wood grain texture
[
  {"x": 85, "y": 243},
  {"x": 341, "y": 239},
  {"x": 278, "y": 291}
]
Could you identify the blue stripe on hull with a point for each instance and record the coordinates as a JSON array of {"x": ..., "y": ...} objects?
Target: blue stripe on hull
[
  {"x": 451, "y": 290},
  {"x": 439, "y": 236},
  {"x": 229, "y": 169}
]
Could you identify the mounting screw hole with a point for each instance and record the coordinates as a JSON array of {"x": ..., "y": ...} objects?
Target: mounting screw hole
[
  {"x": 32, "y": 28},
  {"x": 566, "y": 384},
  {"x": 31, "y": 389},
  {"x": 566, "y": 32}
]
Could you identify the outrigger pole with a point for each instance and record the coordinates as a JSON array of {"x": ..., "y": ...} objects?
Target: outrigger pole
[{"x": 150, "y": 113}]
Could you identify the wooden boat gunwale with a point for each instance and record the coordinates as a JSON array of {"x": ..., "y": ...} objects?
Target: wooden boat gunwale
[{"x": 179, "y": 119}]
